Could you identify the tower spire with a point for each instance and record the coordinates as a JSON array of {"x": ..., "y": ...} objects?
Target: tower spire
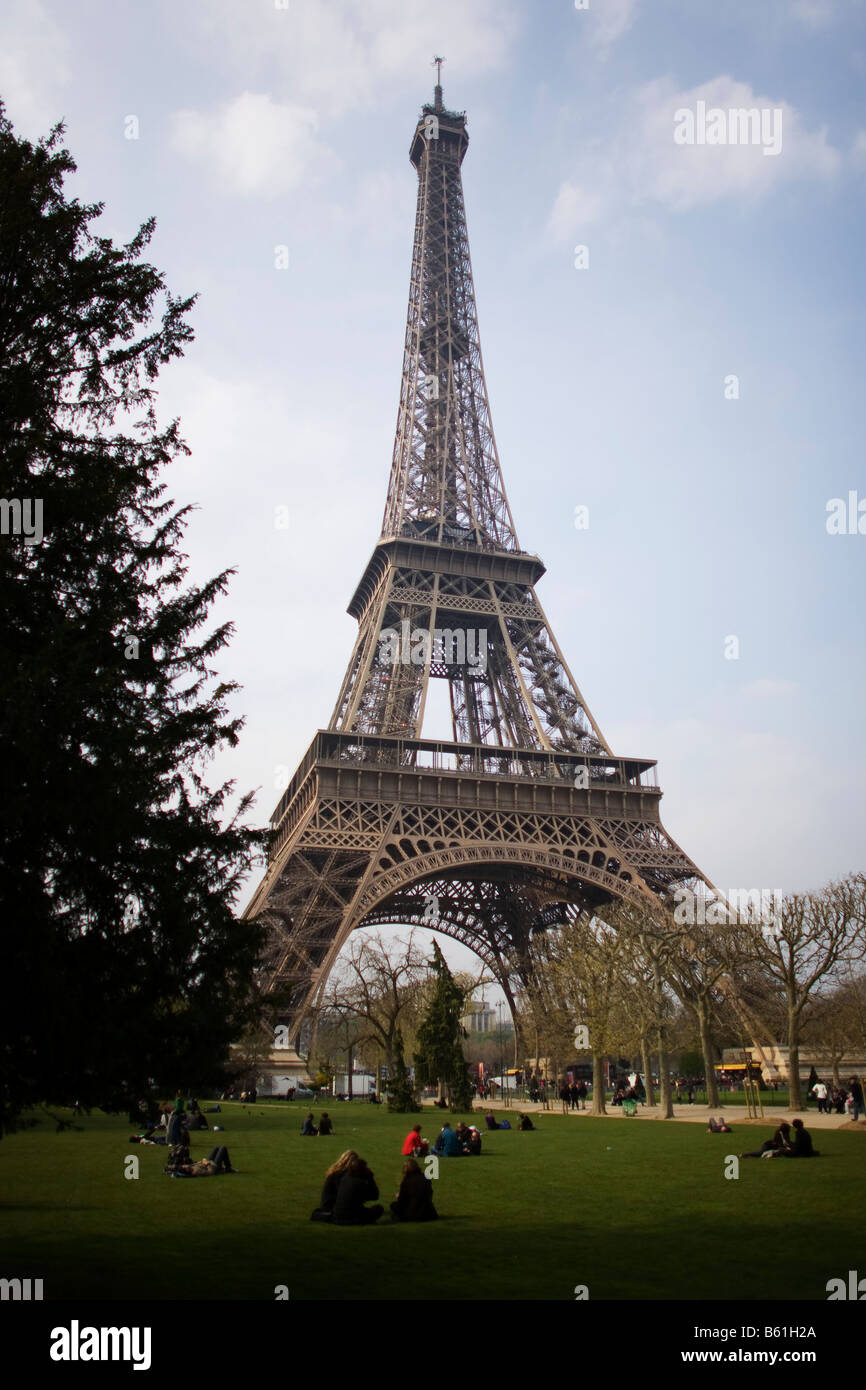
[{"x": 437, "y": 90}]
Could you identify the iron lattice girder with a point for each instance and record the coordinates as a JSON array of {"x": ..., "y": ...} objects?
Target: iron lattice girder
[
  {"x": 524, "y": 695},
  {"x": 526, "y": 816},
  {"x": 373, "y": 826}
]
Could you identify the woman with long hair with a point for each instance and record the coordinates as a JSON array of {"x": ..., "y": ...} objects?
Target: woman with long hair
[
  {"x": 333, "y": 1177},
  {"x": 415, "y": 1198},
  {"x": 357, "y": 1187}
]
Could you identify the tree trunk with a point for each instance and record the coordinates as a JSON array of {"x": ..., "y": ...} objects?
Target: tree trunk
[
  {"x": 647, "y": 1072},
  {"x": 598, "y": 1107},
  {"x": 665, "y": 1078},
  {"x": 795, "y": 1095},
  {"x": 703, "y": 1011}
]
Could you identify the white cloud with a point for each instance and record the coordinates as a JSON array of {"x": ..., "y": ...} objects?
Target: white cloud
[
  {"x": 573, "y": 209},
  {"x": 639, "y": 164},
  {"x": 34, "y": 66},
  {"x": 611, "y": 19},
  {"x": 338, "y": 54},
  {"x": 253, "y": 144},
  {"x": 768, "y": 688}
]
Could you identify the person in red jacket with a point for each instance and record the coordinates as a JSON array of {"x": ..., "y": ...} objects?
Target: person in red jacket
[{"x": 413, "y": 1144}]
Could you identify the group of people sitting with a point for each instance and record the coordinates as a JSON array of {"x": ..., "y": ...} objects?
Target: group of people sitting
[
  {"x": 523, "y": 1122},
  {"x": 325, "y": 1125},
  {"x": 350, "y": 1185},
  {"x": 169, "y": 1125},
  {"x": 454, "y": 1143},
  {"x": 786, "y": 1144}
]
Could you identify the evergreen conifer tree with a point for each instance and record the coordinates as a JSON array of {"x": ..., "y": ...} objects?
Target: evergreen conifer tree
[
  {"x": 401, "y": 1092},
  {"x": 123, "y": 960},
  {"x": 439, "y": 1059}
]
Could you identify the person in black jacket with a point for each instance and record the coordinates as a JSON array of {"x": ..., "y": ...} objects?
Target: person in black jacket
[
  {"x": 334, "y": 1176},
  {"x": 799, "y": 1145},
  {"x": 415, "y": 1198},
  {"x": 777, "y": 1144},
  {"x": 357, "y": 1186}
]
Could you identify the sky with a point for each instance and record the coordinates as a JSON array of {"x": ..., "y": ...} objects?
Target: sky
[{"x": 672, "y": 335}]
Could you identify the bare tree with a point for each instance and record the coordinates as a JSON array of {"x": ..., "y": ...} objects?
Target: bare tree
[
  {"x": 377, "y": 990},
  {"x": 581, "y": 965},
  {"x": 813, "y": 935},
  {"x": 838, "y": 1021}
]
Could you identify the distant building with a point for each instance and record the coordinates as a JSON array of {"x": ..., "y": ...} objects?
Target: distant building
[
  {"x": 773, "y": 1061},
  {"x": 480, "y": 1018}
]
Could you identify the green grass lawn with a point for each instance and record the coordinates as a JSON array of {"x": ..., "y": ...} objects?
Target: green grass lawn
[{"x": 633, "y": 1209}]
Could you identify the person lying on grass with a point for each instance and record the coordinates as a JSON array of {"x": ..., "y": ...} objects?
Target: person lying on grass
[
  {"x": 216, "y": 1162},
  {"x": 718, "y": 1126}
]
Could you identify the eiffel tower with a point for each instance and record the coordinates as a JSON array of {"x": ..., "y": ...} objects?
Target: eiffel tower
[{"x": 526, "y": 814}]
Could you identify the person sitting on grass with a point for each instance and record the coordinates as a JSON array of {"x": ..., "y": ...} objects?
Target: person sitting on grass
[
  {"x": 178, "y": 1155},
  {"x": 357, "y": 1186},
  {"x": 448, "y": 1145},
  {"x": 778, "y": 1142},
  {"x": 473, "y": 1142},
  {"x": 799, "y": 1145},
  {"x": 334, "y": 1176},
  {"x": 415, "y": 1197},
  {"x": 325, "y": 1125},
  {"x": 718, "y": 1126},
  {"x": 308, "y": 1127},
  {"x": 177, "y": 1123},
  {"x": 491, "y": 1120},
  {"x": 525, "y": 1122},
  {"x": 413, "y": 1144}
]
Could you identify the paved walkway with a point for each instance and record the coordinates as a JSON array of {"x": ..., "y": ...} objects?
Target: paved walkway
[{"x": 693, "y": 1114}]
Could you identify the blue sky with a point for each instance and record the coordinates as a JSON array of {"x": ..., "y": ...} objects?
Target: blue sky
[{"x": 260, "y": 127}]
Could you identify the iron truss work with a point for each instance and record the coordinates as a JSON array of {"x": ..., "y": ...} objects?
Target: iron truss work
[{"x": 526, "y": 816}]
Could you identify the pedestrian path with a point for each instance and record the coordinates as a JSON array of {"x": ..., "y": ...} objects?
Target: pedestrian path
[{"x": 690, "y": 1114}]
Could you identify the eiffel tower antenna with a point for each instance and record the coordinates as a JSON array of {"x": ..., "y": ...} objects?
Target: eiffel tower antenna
[
  {"x": 437, "y": 91},
  {"x": 525, "y": 816}
]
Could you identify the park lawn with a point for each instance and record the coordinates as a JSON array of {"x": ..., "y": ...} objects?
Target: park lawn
[{"x": 633, "y": 1209}]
